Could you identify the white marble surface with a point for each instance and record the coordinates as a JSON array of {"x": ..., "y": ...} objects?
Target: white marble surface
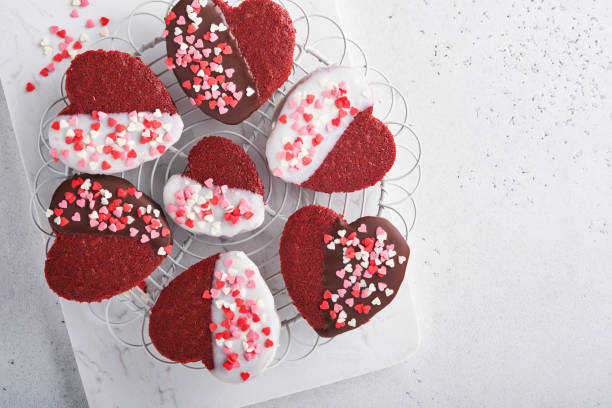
[{"x": 509, "y": 271}]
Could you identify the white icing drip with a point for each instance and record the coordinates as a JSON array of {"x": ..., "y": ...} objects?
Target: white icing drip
[
  {"x": 90, "y": 159},
  {"x": 213, "y": 224},
  {"x": 360, "y": 96},
  {"x": 267, "y": 312}
]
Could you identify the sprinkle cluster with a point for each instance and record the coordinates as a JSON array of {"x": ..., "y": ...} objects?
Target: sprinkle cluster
[
  {"x": 204, "y": 56},
  {"x": 310, "y": 115},
  {"x": 147, "y": 128},
  {"x": 97, "y": 209},
  {"x": 244, "y": 320},
  {"x": 194, "y": 205},
  {"x": 363, "y": 260}
]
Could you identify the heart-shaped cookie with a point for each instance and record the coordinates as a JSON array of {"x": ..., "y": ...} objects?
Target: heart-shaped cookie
[
  {"x": 221, "y": 312},
  {"x": 120, "y": 115},
  {"x": 324, "y": 136},
  {"x": 340, "y": 275},
  {"x": 229, "y": 60},
  {"x": 109, "y": 237},
  {"x": 220, "y": 195}
]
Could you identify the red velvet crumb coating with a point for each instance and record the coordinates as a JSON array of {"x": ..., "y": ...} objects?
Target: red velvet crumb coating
[
  {"x": 179, "y": 323},
  {"x": 266, "y": 38},
  {"x": 112, "y": 82},
  {"x": 88, "y": 268},
  {"x": 301, "y": 255},
  {"x": 361, "y": 158},
  {"x": 210, "y": 158}
]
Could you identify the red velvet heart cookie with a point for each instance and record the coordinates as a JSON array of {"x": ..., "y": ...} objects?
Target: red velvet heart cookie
[
  {"x": 120, "y": 115},
  {"x": 109, "y": 237},
  {"x": 221, "y": 312},
  {"x": 220, "y": 195},
  {"x": 229, "y": 60},
  {"x": 340, "y": 275},
  {"x": 324, "y": 136}
]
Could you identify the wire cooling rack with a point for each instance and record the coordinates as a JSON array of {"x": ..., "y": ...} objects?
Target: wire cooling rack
[{"x": 320, "y": 41}]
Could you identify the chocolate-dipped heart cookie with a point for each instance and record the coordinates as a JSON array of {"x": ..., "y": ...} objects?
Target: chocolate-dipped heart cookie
[
  {"x": 109, "y": 237},
  {"x": 220, "y": 195},
  {"x": 120, "y": 115},
  {"x": 221, "y": 312},
  {"x": 229, "y": 60},
  {"x": 324, "y": 136},
  {"x": 340, "y": 275}
]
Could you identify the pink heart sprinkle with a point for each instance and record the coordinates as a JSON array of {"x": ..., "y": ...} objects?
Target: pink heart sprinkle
[
  {"x": 229, "y": 72},
  {"x": 167, "y": 137},
  {"x": 171, "y": 208},
  {"x": 350, "y": 302},
  {"x": 199, "y": 43},
  {"x": 223, "y": 110},
  {"x": 277, "y": 172},
  {"x": 133, "y": 232},
  {"x": 347, "y": 283},
  {"x": 382, "y": 286},
  {"x": 362, "y": 228},
  {"x": 84, "y": 3},
  {"x": 76, "y": 217},
  {"x": 73, "y": 120},
  {"x": 90, "y": 23},
  {"x": 251, "y": 284},
  {"x": 154, "y": 234},
  {"x": 74, "y": 13},
  {"x": 181, "y": 20},
  {"x": 249, "y": 273},
  {"x": 190, "y": 39},
  {"x": 341, "y": 292},
  {"x": 144, "y": 238},
  {"x": 340, "y": 273},
  {"x": 62, "y": 204},
  {"x": 130, "y": 162},
  {"x": 113, "y": 227},
  {"x": 240, "y": 279},
  {"x": 93, "y": 223},
  {"x": 54, "y": 29},
  {"x": 138, "y": 194},
  {"x": 94, "y": 157},
  {"x": 208, "y": 183},
  {"x": 80, "y": 202},
  {"x": 82, "y": 163},
  {"x": 68, "y": 39},
  {"x": 228, "y": 262},
  {"x": 380, "y": 231},
  {"x": 102, "y": 226},
  {"x": 51, "y": 67},
  {"x": 214, "y": 292},
  {"x": 337, "y": 308}
]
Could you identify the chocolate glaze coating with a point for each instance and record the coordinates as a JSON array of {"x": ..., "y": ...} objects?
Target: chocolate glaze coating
[
  {"x": 333, "y": 261},
  {"x": 66, "y": 199},
  {"x": 242, "y": 76}
]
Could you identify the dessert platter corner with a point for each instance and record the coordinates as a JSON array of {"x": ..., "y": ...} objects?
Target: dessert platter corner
[{"x": 248, "y": 266}]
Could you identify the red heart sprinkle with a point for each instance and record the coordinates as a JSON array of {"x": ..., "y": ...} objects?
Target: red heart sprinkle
[
  {"x": 283, "y": 119},
  {"x": 77, "y": 45},
  {"x": 212, "y": 326},
  {"x": 104, "y": 21},
  {"x": 307, "y": 117},
  {"x": 61, "y": 33},
  {"x": 105, "y": 165},
  {"x": 268, "y": 343},
  {"x": 324, "y": 305},
  {"x": 266, "y": 331},
  {"x": 29, "y": 88},
  {"x": 44, "y": 72},
  {"x": 245, "y": 376},
  {"x": 55, "y": 125}
]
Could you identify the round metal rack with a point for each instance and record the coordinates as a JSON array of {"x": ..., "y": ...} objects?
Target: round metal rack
[{"x": 320, "y": 41}]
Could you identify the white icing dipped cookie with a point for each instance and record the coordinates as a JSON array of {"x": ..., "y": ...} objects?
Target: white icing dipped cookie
[
  {"x": 120, "y": 115},
  {"x": 221, "y": 312},
  {"x": 324, "y": 136},
  {"x": 220, "y": 195}
]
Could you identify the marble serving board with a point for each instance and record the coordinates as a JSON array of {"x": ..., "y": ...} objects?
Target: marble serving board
[{"x": 116, "y": 375}]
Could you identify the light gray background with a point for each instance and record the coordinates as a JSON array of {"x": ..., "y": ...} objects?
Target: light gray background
[{"x": 510, "y": 272}]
